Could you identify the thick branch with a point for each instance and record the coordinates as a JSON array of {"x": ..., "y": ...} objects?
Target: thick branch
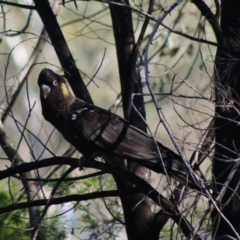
[
  {"x": 62, "y": 50},
  {"x": 141, "y": 185}
]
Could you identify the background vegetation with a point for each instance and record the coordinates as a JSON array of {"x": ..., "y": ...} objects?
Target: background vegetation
[{"x": 173, "y": 63}]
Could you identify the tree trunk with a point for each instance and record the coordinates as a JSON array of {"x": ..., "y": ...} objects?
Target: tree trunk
[
  {"x": 136, "y": 207},
  {"x": 227, "y": 117}
]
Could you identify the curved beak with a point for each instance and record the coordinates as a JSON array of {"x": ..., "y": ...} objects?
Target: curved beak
[{"x": 45, "y": 90}]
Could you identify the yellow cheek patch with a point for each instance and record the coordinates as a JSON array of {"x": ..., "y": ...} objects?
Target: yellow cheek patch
[{"x": 65, "y": 90}]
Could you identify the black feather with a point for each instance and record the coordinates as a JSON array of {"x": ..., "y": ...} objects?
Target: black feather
[{"x": 94, "y": 130}]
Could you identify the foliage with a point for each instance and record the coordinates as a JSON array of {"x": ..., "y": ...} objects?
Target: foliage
[{"x": 137, "y": 59}]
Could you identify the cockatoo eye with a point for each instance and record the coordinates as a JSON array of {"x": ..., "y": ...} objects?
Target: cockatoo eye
[{"x": 55, "y": 83}]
